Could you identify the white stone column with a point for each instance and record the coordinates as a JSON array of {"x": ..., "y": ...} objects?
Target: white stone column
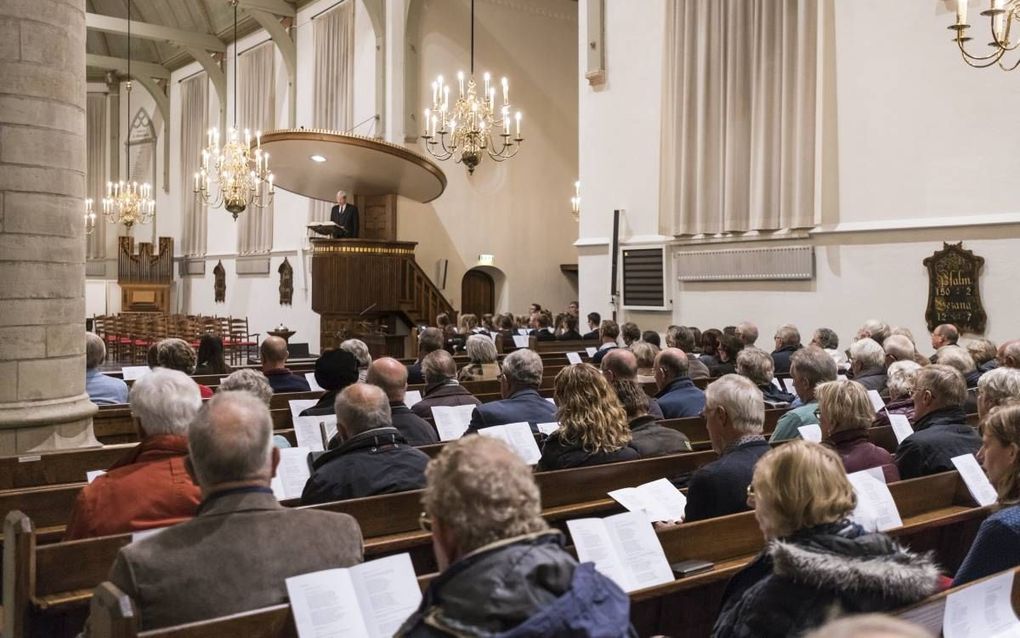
[{"x": 43, "y": 405}]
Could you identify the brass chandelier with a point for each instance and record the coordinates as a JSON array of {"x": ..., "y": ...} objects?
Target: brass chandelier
[
  {"x": 127, "y": 203},
  {"x": 474, "y": 126},
  {"x": 242, "y": 176},
  {"x": 1000, "y": 14}
]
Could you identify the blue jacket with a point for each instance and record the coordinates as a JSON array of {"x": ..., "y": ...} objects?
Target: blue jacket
[
  {"x": 996, "y": 547},
  {"x": 525, "y": 587},
  {"x": 103, "y": 389},
  {"x": 681, "y": 398},
  {"x": 720, "y": 488},
  {"x": 523, "y": 405},
  {"x": 283, "y": 380}
]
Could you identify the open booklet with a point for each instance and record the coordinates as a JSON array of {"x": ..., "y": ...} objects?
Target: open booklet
[
  {"x": 371, "y": 599},
  {"x": 452, "y": 421},
  {"x": 982, "y": 610},
  {"x": 312, "y": 432},
  {"x": 624, "y": 548},
  {"x": 292, "y": 473},
  {"x": 659, "y": 500},
  {"x": 876, "y": 510},
  {"x": 519, "y": 437}
]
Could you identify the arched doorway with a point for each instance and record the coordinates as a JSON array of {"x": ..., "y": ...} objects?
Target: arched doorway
[{"x": 477, "y": 293}]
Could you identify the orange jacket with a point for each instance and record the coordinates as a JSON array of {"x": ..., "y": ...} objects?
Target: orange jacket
[{"x": 146, "y": 489}]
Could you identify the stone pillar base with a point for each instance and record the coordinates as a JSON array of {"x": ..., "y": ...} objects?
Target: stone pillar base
[{"x": 47, "y": 426}]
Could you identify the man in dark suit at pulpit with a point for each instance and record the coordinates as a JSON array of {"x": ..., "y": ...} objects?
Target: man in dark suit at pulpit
[{"x": 345, "y": 216}]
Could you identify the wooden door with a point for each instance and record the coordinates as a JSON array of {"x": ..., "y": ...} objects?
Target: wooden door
[{"x": 477, "y": 293}]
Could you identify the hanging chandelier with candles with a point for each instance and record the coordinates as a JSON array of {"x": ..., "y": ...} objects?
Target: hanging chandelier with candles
[
  {"x": 239, "y": 172},
  {"x": 126, "y": 202},
  {"x": 1001, "y": 15},
  {"x": 474, "y": 126}
]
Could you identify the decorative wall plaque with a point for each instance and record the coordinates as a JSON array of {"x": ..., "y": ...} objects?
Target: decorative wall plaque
[
  {"x": 286, "y": 283},
  {"x": 220, "y": 282},
  {"x": 953, "y": 292}
]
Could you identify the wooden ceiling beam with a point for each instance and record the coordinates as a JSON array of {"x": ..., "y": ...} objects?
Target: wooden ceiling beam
[{"x": 144, "y": 30}]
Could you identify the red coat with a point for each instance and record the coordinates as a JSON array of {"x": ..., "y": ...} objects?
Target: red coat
[
  {"x": 858, "y": 453},
  {"x": 146, "y": 489}
]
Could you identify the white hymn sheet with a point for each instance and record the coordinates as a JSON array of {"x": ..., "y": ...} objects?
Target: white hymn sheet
[
  {"x": 788, "y": 384},
  {"x": 778, "y": 384},
  {"x": 133, "y": 373},
  {"x": 574, "y": 358},
  {"x": 411, "y": 397},
  {"x": 520, "y": 342},
  {"x": 452, "y": 421},
  {"x": 876, "y": 400},
  {"x": 523, "y": 332},
  {"x": 312, "y": 383},
  {"x": 388, "y": 593},
  {"x": 982, "y": 610},
  {"x": 93, "y": 475},
  {"x": 292, "y": 473},
  {"x": 299, "y": 406},
  {"x": 975, "y": 478},
  {"x": 594, "y": 544},
  {"x": 519, "y": 437},
  {"x": 591, "y": 351},
  {"x": 624, "y": 548},
  {"x": 547, "y": 428},
  {"x": 309, "y": 434},
  {"x": 900, "y": 426},
  {"x": 876, "y": 510},
  {"x": 659, "y": 500},
  {"x": 811, "y": 432}
]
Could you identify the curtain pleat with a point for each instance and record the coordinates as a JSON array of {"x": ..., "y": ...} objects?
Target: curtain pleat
[
  {"x": 96, "y": 132},
  {"x": 739, "y": 123},
  {"x": 194, "y": 124},
  {"x": 256, "y": 111}
]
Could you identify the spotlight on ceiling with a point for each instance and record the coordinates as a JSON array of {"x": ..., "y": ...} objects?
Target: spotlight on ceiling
[{"x": 317, "y": 158}]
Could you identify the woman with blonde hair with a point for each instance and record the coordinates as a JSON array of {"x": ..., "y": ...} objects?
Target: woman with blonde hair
[
  {"x": 817, "y": 564},
  {"x": 593, "y": 424},
  {"x": 845, "y": 414},
  {"x": 997, "y": 545}
]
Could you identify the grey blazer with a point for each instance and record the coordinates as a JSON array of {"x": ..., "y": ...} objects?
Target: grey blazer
[{"x": 232, "y": 557}]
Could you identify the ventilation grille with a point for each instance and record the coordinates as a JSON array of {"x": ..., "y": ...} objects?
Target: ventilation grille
[
  {"x": 760, "y": 264},
  {"x": 644, "y": 278}
]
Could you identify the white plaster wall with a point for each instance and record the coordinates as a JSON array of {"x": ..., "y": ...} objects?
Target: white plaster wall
[{"x": 924, "y": 147}]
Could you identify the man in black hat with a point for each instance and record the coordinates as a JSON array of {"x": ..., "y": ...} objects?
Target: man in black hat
[{"x": 334, "y": 371}]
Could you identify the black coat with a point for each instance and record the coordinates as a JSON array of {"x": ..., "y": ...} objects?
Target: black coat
[
  {"x": 414, "y": 374},
  {"x": 938, "y": 437},
  {"x": 558, "y": 455},
  {"x": 414, "y": 429},
  {"x": 348, "y": 220},
  {"x": 324, "y": 407},
  {"x": 377, "y": 461},
  {"x": 720, "y": 488},
  {"x": 781, "y": 359},
  {"x": 570, "y": 335},
  {"x": 651, "y": 439}
]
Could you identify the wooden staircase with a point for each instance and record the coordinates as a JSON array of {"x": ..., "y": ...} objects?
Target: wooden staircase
[{"x": 420, "y": 299}]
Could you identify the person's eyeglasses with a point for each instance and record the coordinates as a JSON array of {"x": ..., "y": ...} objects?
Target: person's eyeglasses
[
  {"x": 750, "y": 496},
  {"x": 425, "y": 522}
]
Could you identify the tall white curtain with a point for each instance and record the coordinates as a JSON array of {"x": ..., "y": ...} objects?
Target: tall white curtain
[
  {"x": 97, "y": 146},
  {"x": 194, "y": 124},
  {"x": 256, "y": 110},
  {"x": 739, "y": 115},
  {"x": 333, "y": 96}
]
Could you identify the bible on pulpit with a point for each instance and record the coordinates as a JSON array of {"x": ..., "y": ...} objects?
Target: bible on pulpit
[{"x": 327, "y": 228}]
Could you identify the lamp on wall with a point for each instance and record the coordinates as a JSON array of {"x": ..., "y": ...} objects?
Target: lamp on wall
[
  {"x": 473, "y": 127},
  {"x": 243, "y": 178},
  {"x": 127, "y": 203},
  {"x": 1000, "y": 14},
  {"x": 575, "y": 202}
]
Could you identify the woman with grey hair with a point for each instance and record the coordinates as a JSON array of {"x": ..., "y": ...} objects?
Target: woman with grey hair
[
  {"x": 359, "y": 349},
  {"x": 758, "y": 366},
  {"x": 900, "y": 382},
  {"x": 481, "y": 366},
  {"x": 177, "y": 354},
  {"x": 248, "y": 380},
  {"x": 997, "y": 387}
]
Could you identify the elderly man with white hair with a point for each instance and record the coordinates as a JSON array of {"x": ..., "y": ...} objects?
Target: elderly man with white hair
[
  {"x": 809, "y": 367},
  {"x": 102, "y": 389},
  {"x": 787, "y": 342},
  {"x": 867, "y": 364},
  {"x": 519, "y": 383},
  {"x": 734, "y": 417},
  {"x": 148, "y": 487},
  {"x": 345, "y": 216},
  {"x": 239, "y": 550}
]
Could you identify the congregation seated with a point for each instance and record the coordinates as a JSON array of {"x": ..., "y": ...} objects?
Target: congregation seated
[
  {"x": 505, "y": 326},
  {"x": 630, "y": 333},
  {"x": 845, "y": 414},
  {"x": 334, "y": 371},
  {"x": 593, "y": 424},
  {"x": 809, "y": 367},
  {"x": 647, "y": 436},
  {"x": 1008, "y": 354},
  {"x": 242, "y": 545},
  {"x": 828, "y": 340},
  {"x": 210, "y": 356},
  {"x": 997, "y": 387},
  {"x": 983, "y": 352},
  {"x": 391, "y": 376},
  {"x": 594, "y": 321},
  {"x": 274, "y": 354},
  {"x": 248, "y": 380},
  {"x": 874, "y": 329},
  {"x": 372, "y": 456},
  {"x": 682, "y": 337},
  {"x": 177, "y": 354},
  {"x": 481, "y": 365},
  {"x": 900, "y": 379},
  {"x": 102, "y": 389},
  {"x": 867, "y": 364},
  {"x": 940, "y": 426},
  {"x": 898, "y": 348},
  {"x": 734, "y": 418},
  {"x": 568, "y": 329},
  {"x": 918, "y": 358},
  {"x": 521, "y": 402},
  {"x": 997, "y": 545},
  {"x": 609, "y": 332},
  {"x": 817, "y": 564},
  {"x": 726, "y": 355},
  {"x": 677, "y": 396},
  {"x": 149, "y": 487},
  {"x": 429, "y": 340},
  {"x": 747, "y": 332},
  {"x": 710, "y": 348},
  {"x": 542, "y": 326},
  {"x": 441, "y": 385},
  {"x": 621, "y": 364},
  {"x": 359, "y": 349},
  {"x": 959, "y": 358},
  {"x": 645, "y": 354},
  {"x": 756, "y": 365},
  {"x": 943, "y": 335},
  {"x": 787, "y": 342},
  {"x": 503, "y": 571}
]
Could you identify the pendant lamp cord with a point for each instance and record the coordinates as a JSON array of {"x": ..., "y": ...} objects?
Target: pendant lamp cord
[
  {"x": 472, "y": 38},
  {"x": 127, "y": 147},
  {"x": 235, "y": 63}
]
